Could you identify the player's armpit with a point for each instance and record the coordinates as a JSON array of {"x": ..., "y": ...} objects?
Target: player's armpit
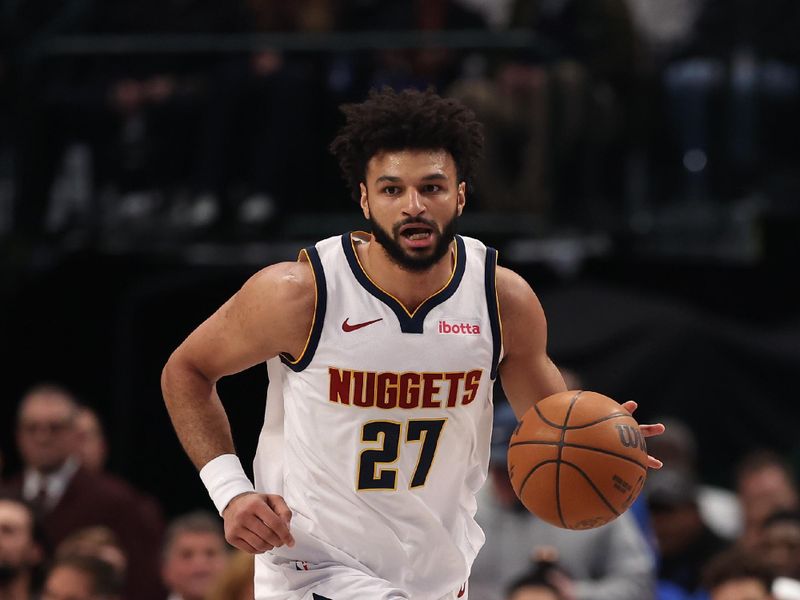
[{"x": 526, "y": 372}]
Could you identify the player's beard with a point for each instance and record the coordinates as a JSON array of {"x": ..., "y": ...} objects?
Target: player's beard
[{"x": 408, "y": 261}]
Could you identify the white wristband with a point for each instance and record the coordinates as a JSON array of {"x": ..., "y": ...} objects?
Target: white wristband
[{"x": 225, "y": 479}]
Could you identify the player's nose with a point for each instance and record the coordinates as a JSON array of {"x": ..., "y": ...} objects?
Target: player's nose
[{"x": 414, "y": 204}]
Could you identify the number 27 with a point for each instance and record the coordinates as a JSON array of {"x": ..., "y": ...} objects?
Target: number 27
[{"x": 370, "y": 477}]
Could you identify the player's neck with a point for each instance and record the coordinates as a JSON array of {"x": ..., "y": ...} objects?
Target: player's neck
[{"x": 409, "y": 287}]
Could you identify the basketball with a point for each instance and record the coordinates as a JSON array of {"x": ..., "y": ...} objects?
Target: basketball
[{"x": 577, "y": 460}]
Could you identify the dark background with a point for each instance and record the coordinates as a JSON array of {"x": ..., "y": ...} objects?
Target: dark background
[{"x": 673, "y": 288}]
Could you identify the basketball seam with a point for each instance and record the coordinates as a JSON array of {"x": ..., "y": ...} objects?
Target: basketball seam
[
  {"x": 572, "y": 427},
  {"x": 594, "y": 487},
  {"x": 526, "y": 442},
  {"x": 601, "y": 451},
  {"x": 560, "y": 451},
  {"x": 531, "y": 472},
  {"x": 580, "y": 447}
]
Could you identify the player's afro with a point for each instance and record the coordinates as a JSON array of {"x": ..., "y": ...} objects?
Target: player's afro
[{"x": 390, "y": 120}]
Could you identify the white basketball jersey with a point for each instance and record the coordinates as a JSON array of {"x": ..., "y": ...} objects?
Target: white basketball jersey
[{"x": 377, "y": 436}]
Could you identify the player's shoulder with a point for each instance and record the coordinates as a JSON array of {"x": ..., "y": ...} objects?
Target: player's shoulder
[
  {"x": 517, "y": 302},
  {"x": 512, "y": 289},
  {"x": 521, "y": 312},
  {"x": 280, "y": 287},
  {"x": 289, "y": 279}
]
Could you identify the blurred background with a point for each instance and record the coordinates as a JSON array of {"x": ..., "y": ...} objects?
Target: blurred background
[{"x": 642, "y": 172}]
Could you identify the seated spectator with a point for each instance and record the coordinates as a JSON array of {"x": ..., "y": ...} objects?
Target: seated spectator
[
  {"x": 92, "y": 446},
  {"x": 537, "y": 584},
  {"x": 735, "y": 575},
  {"x": 612, "y": 562},
  {"x": 99, "y": 542},
  {"x": 194, "y": 555},
  {"x": 401, "y": 68},
  {"x": 765, "y": 484},
  {"x": 236, "y": 581},
  {"x": 677, "y": 448},
  {"x": 92, "y": 452},
  {"x": 82, "y": 578},
  {"x": 556, "y": 114},
  {"x": 68, "y": 497},
  {"x": 22, "y": 549},
  {"x": 780, "y": 543},
  {"x": 685, "y": 542},
  {"x": 732, "y": 94}
]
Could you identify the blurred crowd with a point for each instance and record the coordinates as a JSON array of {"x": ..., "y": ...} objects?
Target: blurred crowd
[
  {"x": 612, "y": 104},
  {"x": 72, "y": 530},
  {"x": 677, "y": 101}
]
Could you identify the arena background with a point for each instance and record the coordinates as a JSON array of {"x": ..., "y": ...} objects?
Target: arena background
[{"x": 668, "y": 276}]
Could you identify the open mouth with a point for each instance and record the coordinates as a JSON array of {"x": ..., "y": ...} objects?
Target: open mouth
[{"x": 416, "y": 231}]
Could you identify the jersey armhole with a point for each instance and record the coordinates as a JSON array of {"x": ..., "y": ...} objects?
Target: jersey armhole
[
  {"x": 311, "y": 255},
  {"x": 492, "y": 303}
]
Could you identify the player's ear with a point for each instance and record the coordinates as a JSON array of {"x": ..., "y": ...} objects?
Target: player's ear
[
  {"x": 461, "y": 197},
  {"x": 363, "y": 202}
]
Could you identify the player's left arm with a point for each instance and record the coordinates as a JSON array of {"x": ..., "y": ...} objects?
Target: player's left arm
[{"x": 526, "y": 371}]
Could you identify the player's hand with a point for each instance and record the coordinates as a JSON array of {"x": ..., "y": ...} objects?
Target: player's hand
[
  {"x": 257, "y": 523},
  {"x": 647, "y": 431}
]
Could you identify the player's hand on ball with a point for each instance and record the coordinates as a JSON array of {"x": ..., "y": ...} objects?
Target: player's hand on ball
[
  {"x": 257, "y": 523},
  {"x": 647, "y": 431}
]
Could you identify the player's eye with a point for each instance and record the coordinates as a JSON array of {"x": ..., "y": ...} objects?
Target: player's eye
[
  {"x": 431, "y": 188},
  {"x": 391, "y": 190}
]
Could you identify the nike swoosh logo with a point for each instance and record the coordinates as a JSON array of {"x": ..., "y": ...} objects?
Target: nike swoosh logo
[
  {"x": 347, "y": 327},
  {"x": 462, "y": 590}
]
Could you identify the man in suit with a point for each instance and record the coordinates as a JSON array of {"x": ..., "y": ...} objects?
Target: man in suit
[{"x": 69, "y": 497}]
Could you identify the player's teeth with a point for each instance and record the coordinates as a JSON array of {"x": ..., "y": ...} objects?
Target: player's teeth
[{"x": 418, "y": 236}]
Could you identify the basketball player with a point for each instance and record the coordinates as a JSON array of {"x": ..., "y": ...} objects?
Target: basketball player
[{"x": 381, "y": 350}]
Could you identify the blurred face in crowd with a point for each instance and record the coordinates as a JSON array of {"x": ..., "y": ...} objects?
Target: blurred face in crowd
[
  {"x": 531, "y": 592},
  {"x": 676, "y": 527},
  {"x": 98, "y": 542},
  {"x": 762, "y": 493},
  {"x": 68, "y": 583},
  {"x": 46, "y": 430},
  {"x": 780, "y": 547},
  {"x": 192, "y": 562},
  {"x": 412, "y": 199},
  {"x": 18, "y": 550},
  {"x": 92, "y": 448},
  {"x": 741, "y": 589}
]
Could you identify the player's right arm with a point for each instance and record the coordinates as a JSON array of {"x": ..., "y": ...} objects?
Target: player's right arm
[{"x": 272, "y": 313}]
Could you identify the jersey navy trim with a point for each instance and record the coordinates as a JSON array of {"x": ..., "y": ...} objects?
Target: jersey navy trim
[
  {"x": 414, "y": 322},
  {"x": 319, "y": 315},
  {"x": 494, "y": 313}
]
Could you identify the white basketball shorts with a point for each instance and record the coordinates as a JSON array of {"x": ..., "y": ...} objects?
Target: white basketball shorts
[{"x": 298, "y": 580}]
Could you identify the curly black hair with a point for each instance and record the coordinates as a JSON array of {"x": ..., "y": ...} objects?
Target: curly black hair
[{"x": 410, "y": 119}]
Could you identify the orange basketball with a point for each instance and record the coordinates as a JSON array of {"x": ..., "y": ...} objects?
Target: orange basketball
[{"x": 577, "y": 460}]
